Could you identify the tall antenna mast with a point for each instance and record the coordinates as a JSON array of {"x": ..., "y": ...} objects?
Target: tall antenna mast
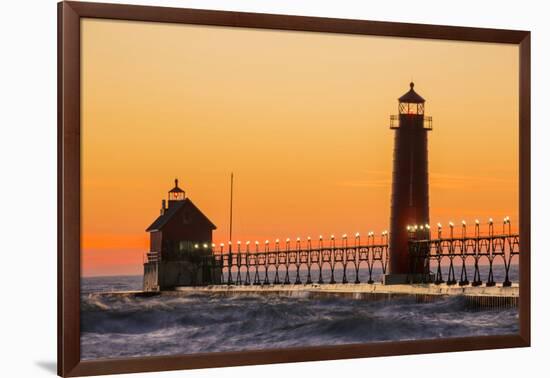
[{"x": 231, "y": 215}]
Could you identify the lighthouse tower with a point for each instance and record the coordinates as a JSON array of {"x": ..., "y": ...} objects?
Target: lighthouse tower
[{"x": 410, "y": 194}]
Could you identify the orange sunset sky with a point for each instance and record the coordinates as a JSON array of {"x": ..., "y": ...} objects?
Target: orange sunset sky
[{"x": 302, "y": 119}]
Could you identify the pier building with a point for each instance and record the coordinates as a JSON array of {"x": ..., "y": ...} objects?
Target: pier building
[{"x": 180, "y": 250}]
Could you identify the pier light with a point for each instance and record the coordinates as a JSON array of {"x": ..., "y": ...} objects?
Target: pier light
[
  {"x": 421, "y": 227},
  {"x": 357, "y": 234},
  {"x": 439, "y": 225},
  {"x": 267, "y": 242},
  {"x": 287, "y": 239},
  {"x": 416, "y": 227},
  {"x": 222, "y": 245},
  {"x": 491, "y": 227},
  {"x": 320, "y": 237},
  {"x": 248, "y": 242},
  {"x": 384, "y": 237},
  {"x": 256, "y": 242},
  {"x": 505, "y": 222},
  {"x": 408, "y": 228},
  {"x": 196, "y": 246},
  {"x": 427, "y": 226},
  {"x": 308, "y": 238},
  {"x": 332, "y": 237},
  {"x": 205, "y": 245},
  {"x": 213, "y": 245},
  {"x": 477, "y": 221},
  {"x": 463, "y": 222},
  {"x": 238, "y": 242},
  {"x": 345, "y": 236},
  {"x": 230, "y": 242},
  {"x": 276, "y": 240},
  {"x": 509, "y": 225},
  {"x": 451, "y": 224},
  {"x": 298, "y": 239}
]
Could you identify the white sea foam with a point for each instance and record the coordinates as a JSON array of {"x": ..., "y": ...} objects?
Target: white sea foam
[{"x": 125, "y": 326}]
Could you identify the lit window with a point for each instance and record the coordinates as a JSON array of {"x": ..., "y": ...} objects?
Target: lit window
[{"x": 411, "y": 108}]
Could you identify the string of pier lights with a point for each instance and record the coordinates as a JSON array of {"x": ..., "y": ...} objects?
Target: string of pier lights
[
  {"x": 371, "y": 239},
  {"x": 414, "y": 229}
]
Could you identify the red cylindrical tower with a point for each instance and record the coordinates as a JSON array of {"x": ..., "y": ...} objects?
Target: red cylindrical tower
[{"x": 410, "y": 194}]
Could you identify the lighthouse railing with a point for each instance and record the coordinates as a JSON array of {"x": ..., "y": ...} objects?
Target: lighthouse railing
[
  {"x": 428, "y": 123},
  {"x": 395, "y": 122}
]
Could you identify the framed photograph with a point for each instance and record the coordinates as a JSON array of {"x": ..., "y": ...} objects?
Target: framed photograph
[{"x": 240, "y": 188}]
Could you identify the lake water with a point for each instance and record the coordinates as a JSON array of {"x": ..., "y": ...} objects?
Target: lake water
[{"x": 123, "y": 326}]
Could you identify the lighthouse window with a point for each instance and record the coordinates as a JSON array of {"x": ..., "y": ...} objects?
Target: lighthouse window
[{"x": 411, "y": 108}]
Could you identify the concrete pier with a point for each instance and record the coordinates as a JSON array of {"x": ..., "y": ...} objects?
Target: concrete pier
[
  {"x": 482, "y": 297},
  {"x": 476, "y": 296},
  {"x": 414, "y": 289}
]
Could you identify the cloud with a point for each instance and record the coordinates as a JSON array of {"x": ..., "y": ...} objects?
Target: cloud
[
  {"x": 373, "y": 179},
  {"x": 470, "y": 183},
  {"x": 380, "y": 179}
]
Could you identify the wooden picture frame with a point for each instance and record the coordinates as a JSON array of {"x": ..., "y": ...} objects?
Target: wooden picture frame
[{"x": 69, "y": 39}]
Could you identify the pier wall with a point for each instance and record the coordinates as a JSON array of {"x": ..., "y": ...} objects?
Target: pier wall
[
  {"x": 475, "y": 297},
  {"x": 150, "y": 276},
  {"x": 165, "y": 275}
]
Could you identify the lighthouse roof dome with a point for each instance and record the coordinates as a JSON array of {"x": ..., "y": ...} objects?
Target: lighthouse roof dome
[
  {"x": 176, "y": 188},
  {"x": 411, "y": 96}
]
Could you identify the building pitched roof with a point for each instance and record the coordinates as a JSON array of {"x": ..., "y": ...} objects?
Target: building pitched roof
[
  {"x": 173, "y": 209},
  {"x": 411, "y": 96}
]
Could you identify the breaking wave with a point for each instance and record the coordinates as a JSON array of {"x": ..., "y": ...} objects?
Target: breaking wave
[{"x": 126, "y": 326}]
